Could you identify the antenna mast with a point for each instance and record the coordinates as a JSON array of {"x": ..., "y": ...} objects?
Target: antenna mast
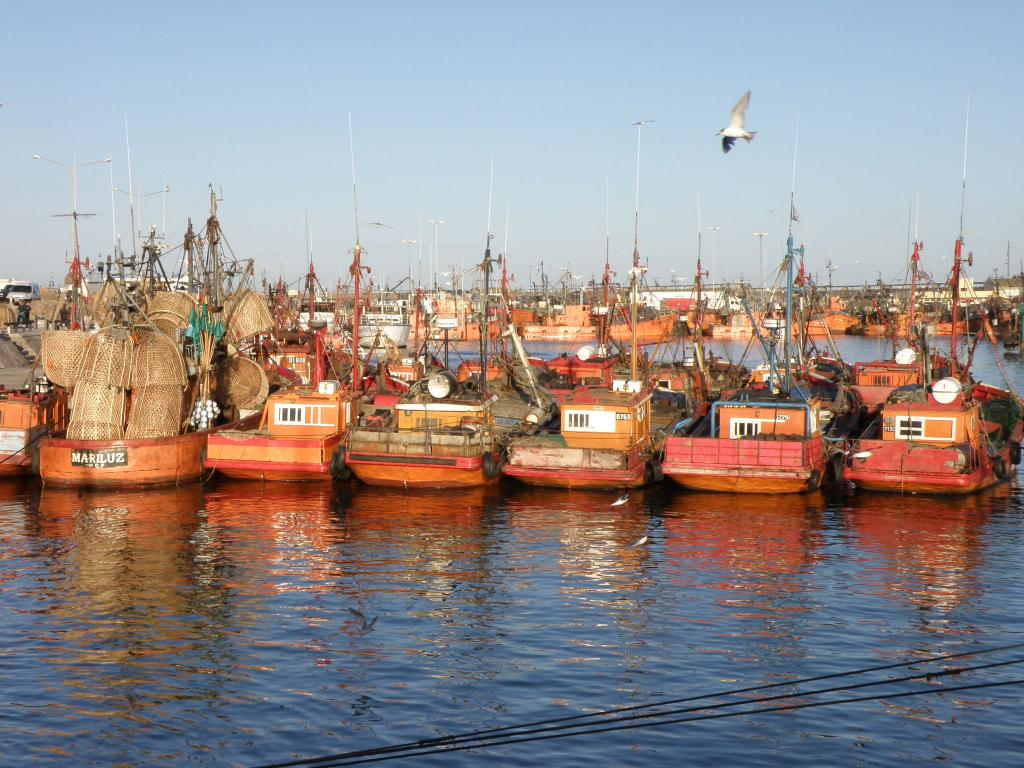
[{"x": 485, "y": 308}]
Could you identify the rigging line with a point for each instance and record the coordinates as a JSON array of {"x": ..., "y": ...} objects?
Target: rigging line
[
  {"x": 698, "y": 718},
  {"x": 669, "y": 702}
]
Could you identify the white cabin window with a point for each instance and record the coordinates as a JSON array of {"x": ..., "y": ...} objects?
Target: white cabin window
[
  {"x": 906, "y": 427},
  {"x": 578, "y": 420},
  {"x": 590, "y": 421},
  {"x": 744, "y": 428},
  {"x": 910, "y": 428},
  {"x": 290, "y": 414}
]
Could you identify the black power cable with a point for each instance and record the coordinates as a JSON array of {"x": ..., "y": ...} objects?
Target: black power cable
[{"x": 603, "y": 718}]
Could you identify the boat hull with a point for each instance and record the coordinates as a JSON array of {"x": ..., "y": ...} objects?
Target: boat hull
[
  {"x": 397, "y": 471},
  {"x": 251, "y": 457},
  {"x": 745, "y": 466},
  {"x": 122, "y": 463},
  {"x": 596, "y": 480},
  {"x": 893, "y": 467}
]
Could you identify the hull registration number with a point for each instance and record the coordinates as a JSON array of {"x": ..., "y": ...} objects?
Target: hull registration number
[{"x": 100, "y": 459}]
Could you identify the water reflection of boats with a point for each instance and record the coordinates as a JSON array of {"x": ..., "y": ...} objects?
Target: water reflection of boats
[
  {"x": 596, "y": 538},
  {"x": 749, "y": 537},
  {"x": 275, "y": 523},
  {"x": 930, "y": 548},
  {"x": 747, "y": 562},
  {"x": 130, "y": 562}
]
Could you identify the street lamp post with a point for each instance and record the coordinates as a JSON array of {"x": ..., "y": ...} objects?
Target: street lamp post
[
  {"x": 140, "y": 196},
  {"x": 436, "y": 264},
  {"x": 760, "y": 252},
  {"x": 714, "y": 256},
  {"x": 409, "y": 244},
  {"x": 76, "y": 263}
]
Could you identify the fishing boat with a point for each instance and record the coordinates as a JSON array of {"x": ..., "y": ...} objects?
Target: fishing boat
[
  {"x": 938, "y": 442},
  {"x": 605, "y": 438},
  {"x": 768, "y": 440},
  {"x": 954, "y": 437},
  {"x": 442, "y": 433},
  {"x": 138, "y": 417},
  {"x": 296, "y": 436},
  {"x": 25, "y": 418}
]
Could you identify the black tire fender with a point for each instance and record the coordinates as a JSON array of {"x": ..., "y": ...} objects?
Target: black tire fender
[
  {"x": 999, "y": 467},
  {"x": 339, "y": 469},
  {"x": 492, "y": 467},
  {"x": 814, "y": 481},
  {"x": 1015, "y": 453}
]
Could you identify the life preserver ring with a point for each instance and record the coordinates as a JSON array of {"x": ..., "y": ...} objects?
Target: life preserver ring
[
  {"x": 814, "y": 481},
  {"x": 339, "y": 469},
  {"x": 1015, "y": 453},
  {"x": 492, "y": 468},
  {"x": 999, "y": 467}
]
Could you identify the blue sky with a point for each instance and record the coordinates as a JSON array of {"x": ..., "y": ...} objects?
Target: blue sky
[{"x": 253, "y": 97}]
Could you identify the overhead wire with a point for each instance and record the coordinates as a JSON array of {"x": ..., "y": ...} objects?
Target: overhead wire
[{"x": 618, "y": 719}]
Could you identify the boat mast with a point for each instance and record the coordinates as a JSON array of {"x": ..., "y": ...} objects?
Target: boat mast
[
  {"x": 637, "y": 269},
  {"x": 790, "y": 255},
  {"x": 915, "y": 259},
  {"x": 485, "y": 304},
  {"x": 356, "y": 267},
  {"x": 958, "y": 248}
]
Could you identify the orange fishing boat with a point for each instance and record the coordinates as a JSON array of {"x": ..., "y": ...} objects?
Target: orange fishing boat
[
  {"x": 25, "y": 418},
  {"x": 300, "y": 429},
  {"x": 122, "y": 463},
  {"x": 605, "y": 439},
  {"x": 604, "y": 442}
]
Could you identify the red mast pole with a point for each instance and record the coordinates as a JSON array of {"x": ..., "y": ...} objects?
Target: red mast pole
[
  {"x": 956, "y": 302},
  {"x": 357, "y": 269},
  {"x": 914, "y": 260}
]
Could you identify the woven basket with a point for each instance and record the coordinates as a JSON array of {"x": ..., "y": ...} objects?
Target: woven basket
[
  {"x": 94, "y": 430},
  {"x": 61, "y": 353},
  {"x": 8, "y": 314},
  {"x": 242, "y": 383},
  {"x": 247, "y": 315},
  {"x": 46, "y": 308},
  {"x": 157, "y": 361},
  {"x": 97, "y": 401},
  {"x": 49, "y": 293},
  {"x": 180, "y": 305},
  {"x": 101, "y": 305},
  {"x": 155, "y": 412},
  {"x": 108, "y": 357}
]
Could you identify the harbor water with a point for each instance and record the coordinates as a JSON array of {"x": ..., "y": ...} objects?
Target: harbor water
[{"x": 240, "y": 624}]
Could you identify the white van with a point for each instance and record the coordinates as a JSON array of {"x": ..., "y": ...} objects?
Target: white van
[{"x": 17, "y": 290}]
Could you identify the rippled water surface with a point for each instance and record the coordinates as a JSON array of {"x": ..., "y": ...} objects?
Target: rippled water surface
[{"x": 233, "y": 623}]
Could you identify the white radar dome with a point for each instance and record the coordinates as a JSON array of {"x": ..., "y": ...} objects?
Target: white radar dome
[{"x": 946, "y": 390}]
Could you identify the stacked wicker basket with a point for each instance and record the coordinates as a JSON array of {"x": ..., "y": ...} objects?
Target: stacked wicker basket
[{"x": 99, "y": 369}]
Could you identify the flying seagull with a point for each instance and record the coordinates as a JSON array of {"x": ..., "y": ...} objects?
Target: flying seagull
[
  {"x": 736, "y": 120},
  {"x": 621, "y": 500}
]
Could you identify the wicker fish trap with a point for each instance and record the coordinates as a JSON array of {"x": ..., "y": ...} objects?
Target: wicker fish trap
[
  {"x": 180, "y": 305},
  {"x": 101, "y": 307},
  {"x": 108, "y": 357},
  {"x": 61, "y": 353},
  {"x": 47, "y": 309},
  {"x": 49, "y": 293},
  {"x": 155, "y": 411},
  {"x": 97, "y": 401},
  {"x": 157, "y": 361},
  {"x": 94, "y": 430},
  {"x": 167, "y": 319},
  {"x": 248, "y": 315},
  {"x": 242, "y": 383},
  {"x": 8, "y": 315}
]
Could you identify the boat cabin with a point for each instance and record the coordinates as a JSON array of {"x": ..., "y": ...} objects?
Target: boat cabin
[
  {"x": 607, "y": 419},
  {"x": 307, "y": 413},
  {"x": 735, "y": 420},
  {"x": 932, "y": 422}
]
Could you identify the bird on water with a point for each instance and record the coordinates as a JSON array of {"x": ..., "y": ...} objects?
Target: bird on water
[{"x": 737, "y": 120}]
